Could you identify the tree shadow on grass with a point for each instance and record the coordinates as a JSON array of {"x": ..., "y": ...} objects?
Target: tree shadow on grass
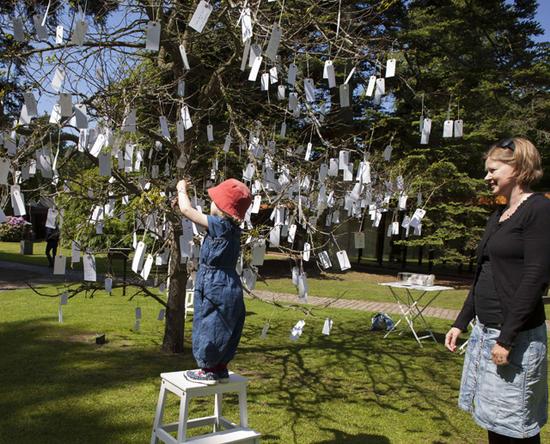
[
  {"x": 58, "y": 387},
  {"x": 358, "y": 371}
]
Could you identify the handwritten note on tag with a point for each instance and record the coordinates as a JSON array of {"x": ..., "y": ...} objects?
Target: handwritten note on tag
[
  {"x": 200, "y": 16},
  {"x": 59, "y": 35},
  {"x": 343, "y": 260}
]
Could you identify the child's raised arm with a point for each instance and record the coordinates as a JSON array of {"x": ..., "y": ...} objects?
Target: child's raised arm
[{"x": 185, "y": 206}]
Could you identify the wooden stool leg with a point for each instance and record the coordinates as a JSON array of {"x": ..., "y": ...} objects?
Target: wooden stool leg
[
  {"x": 217, "y": 411},
  {"x": 243, "y": 414},
  {"x": 184, "y": 412},
  {"x": 159, "y": 413}
]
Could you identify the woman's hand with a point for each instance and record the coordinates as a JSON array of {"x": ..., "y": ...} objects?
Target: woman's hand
[
  {"x": 451, "y": 337},
  {"x": 182, "y": 186},
  {"x": 500, "y": 354}
]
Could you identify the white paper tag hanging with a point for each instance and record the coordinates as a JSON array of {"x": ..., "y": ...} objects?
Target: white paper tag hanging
[
  {"x": 380, "y": 87},
  {"x": 448, "y": 128},
  {"x": 58, "y": 79},
  {"x": 426, "y": 129},
  {"x": 41, "y": 30},
  {"x": 297, "y": 330},
  {"x": 80, "y": 116},
  {"x": 184, "y": 59},
  {"x": 88, "y": 262},
  {"x": 200, "y": 16},
  {"x": 59, "y": 264},
  {"x": 359, "y": 240},
  {"x": 274, "y": 41},
  {"x": 152, "y": 36},
  {"x": 307, "y": 252},
  {"x": 292, "y": 71},
  {"x": 370, "y": 86},
  {"x": 327, "y": 326},
  {"x": 343, "y": 260},
  {"x": 75, "y": 252},
  {"x": 227, "y": 143},
  {"x": 4, "y": 170},
  {"x": 30, "y": 102},
  {"x": 51, "y": 218},
  {"x": 164, "y": 127},
  {"x": 303, "y": 287},
  {"x": 253, "y": 75},
  {"x": 329, "y": 74},
  {"x": 210, "y": 132},
  {"x": 309, "y": 88},
  {"x": 325, "y": 261},
  {"x": 59, "y": 35},
  {"x": 186, "y": 117},
  {"x": 18, "y": 30},
  {"x": 108, "y": 285},
  {"x": 390, "y": 68},
  {"x": 387, "y": 152},
  {"x": 344, "y": 96},
  {"x": 147, "y": 267},
  {"x": 265, "y": 82},
  {"x": 458, "y": 128},
  {"x": 139, "y": 256},
  {"x": 258, "y": 252},
  {"x": 416, "y": 219},
  {"x": 65, "y": 105},
  {"x": 79, "y": 32},
  {"x": 246, "y": 24},
  {"x": 17, "y": 201},
  {"x": 273, "y": 76}
]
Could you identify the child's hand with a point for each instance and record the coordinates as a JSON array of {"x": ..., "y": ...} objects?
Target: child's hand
[{"x": 182, "y": 186}]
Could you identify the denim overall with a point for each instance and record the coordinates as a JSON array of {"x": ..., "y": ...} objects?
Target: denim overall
[{"x": 219, "y": 311}]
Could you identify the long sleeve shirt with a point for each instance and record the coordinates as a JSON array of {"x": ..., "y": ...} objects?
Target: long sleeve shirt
[{"x": 519, "y": 251}]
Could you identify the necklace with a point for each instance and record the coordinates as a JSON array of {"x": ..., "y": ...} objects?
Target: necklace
[{"x": 506, "y": 214}]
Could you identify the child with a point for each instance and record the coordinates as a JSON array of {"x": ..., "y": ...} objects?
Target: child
[{"x": 219, "y": 311}]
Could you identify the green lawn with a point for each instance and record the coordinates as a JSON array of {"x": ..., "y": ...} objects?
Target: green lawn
[{"x": 350, "y": 387}]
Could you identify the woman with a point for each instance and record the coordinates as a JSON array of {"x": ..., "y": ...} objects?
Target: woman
[{"x": 504, "y": 379}]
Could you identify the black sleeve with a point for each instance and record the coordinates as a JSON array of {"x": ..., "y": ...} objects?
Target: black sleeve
[
  {"x": 467, "y": 313},
  {"x": 536, "y": 272}
]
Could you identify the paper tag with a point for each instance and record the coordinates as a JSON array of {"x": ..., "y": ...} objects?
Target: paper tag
[
  {"x": 184, "y": 59},
  {"x": 371, "y": 85},
  {"x": 105, "y": 164},
  {"x": 390, "y": 68},
  {"x": 329, "y": 74},
  {"x": 274, "y": 41},
  {"x": 80, "y": 116},
  {"x": 59, "y": 35},
  {"x": 458, "y": 128},
  {"x": 292, "y": 101},
  {"x": 98, "y": 145},
  {"x": 344, "y": 96},
  {"x": 246, "y": 24},
  {"x": 139, "y": 255},
  {"x": 58, "y": 79},
  {"x": 380, "y": 86},
  {"x": 309, "y": 88},
  {"x": 307, "y": 252},
  {"x": 75, "y": 252},
  {"x": 265, "y": 81},
  {"x": 387, "y": 153},
  {"x": 257, "y": 63},
  {"x": 147, "y": 267},
  {"x": 359, "y": 240},
  {"x": 426, "y": 129},
  {"x": 152, "y": 33},
  {"x": 164, "y": 127},
  {"x": 343, "y": 159},
  {"x": 324, "y": 259},
  {"x": 343, "y": 260},
  {"x": 30, "y": 102},
  {"x": 292, "y": 71},
  {"x": 18, "y": 30},
  {"x": 88, "y": 262},
  {"x": 65, "y": 105},
  {"x": 303, "y": 287},
  {"x": 4, "y": 170},
  {"x": 59, "y": 265},
  {"x": 181, "y": 88},
  {"x": 297, "y": 330},
  {"x": 258, "y": 252},
  {"x": 265, "y": 329},
  {"x": 274, "y": 78},
  {"x": 402, "y": 205},
  {"x": 327, "y": 326},
  {"x": 79, "y": 32},
  {"x": 51, "y": 218},
  {"x": 448, "y": 128},
  {"x": 275, "y": 236},
  {"x": 108, "y": 285},
  {"x": 200, "y": 16},
  {"x": 186, "y": 117},
  {"x": 417, "y": 217},
  {"x": 64, "y": 298},
  {"x": 17, "y": 201},
  {"x": 129, "y": 122},
  {"x": 41, "y": 30}
]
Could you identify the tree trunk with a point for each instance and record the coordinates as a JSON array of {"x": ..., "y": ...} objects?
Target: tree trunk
[{"x": 175, "y": 311}]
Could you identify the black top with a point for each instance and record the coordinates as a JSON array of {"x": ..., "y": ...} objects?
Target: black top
[
  {"x": 519, "y": 251},
  {"x": 487, "y": 305}
]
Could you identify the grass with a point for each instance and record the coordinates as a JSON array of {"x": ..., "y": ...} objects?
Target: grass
[{"x": 350, "y": 387}]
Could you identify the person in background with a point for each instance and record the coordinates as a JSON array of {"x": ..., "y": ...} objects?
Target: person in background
[
  {"x": 504, "y": 379},
  {"x": 52, "y": 240}
]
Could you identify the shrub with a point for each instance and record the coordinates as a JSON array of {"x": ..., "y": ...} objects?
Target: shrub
[{"x": 14, "y": 229}]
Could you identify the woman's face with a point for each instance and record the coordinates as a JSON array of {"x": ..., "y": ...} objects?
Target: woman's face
[{"x": 501, "y": 177}]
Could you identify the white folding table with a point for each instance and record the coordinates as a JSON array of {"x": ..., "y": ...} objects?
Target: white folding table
[{"x": 409, "y": 305}]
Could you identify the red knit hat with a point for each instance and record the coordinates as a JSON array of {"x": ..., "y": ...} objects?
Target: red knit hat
[{"x": 232, "y": 197}]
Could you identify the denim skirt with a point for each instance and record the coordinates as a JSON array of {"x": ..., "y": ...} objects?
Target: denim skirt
[{"x": 511, "y": 400}]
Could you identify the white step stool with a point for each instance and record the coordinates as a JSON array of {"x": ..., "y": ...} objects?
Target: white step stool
[{"x": 178, "y": 384}]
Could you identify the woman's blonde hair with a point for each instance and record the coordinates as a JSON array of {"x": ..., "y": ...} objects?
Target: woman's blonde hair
[{"x": 522, "y": 155}]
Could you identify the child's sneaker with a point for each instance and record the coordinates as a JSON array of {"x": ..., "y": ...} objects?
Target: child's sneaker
[
  {"x": 223, "y": 376},
  {"x": 202, "y": 377}
]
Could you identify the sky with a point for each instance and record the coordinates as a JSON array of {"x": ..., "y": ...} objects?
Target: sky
[{"x": 543, "y": 17}]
